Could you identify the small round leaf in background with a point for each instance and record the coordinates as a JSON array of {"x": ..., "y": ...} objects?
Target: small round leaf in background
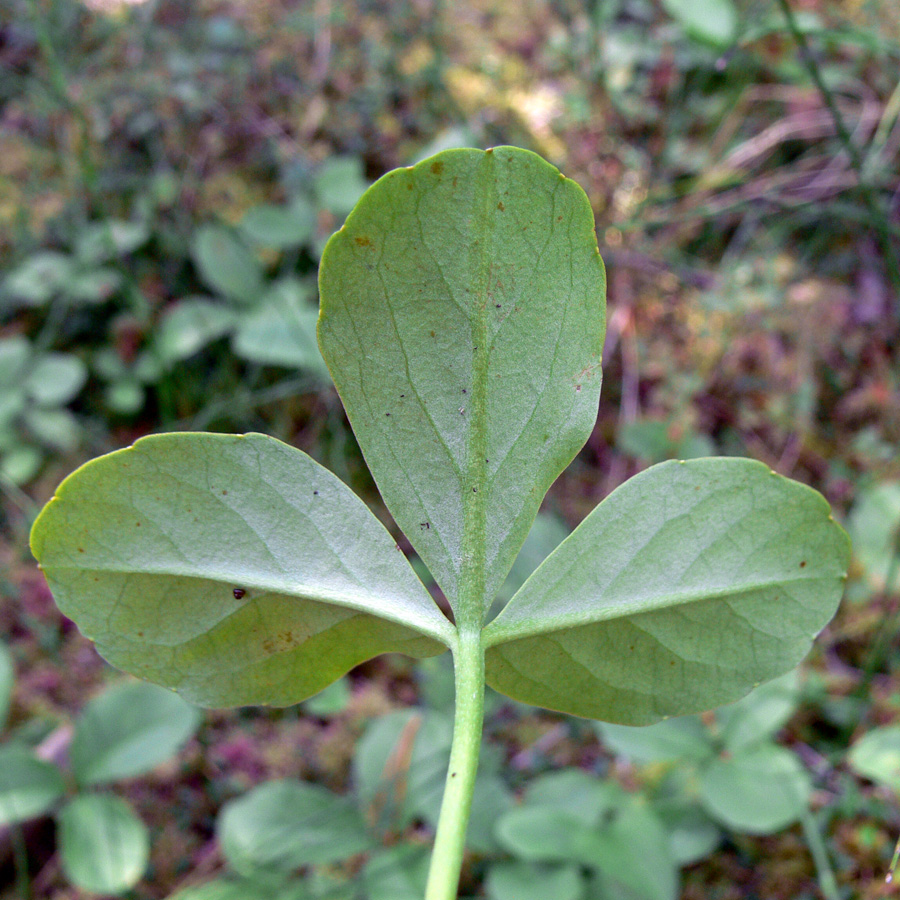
[
  {"x": 226, "y": 264},
  {"x": 283, "y": 825},
  {"x": 28, "y": 786},
  {"x": 104, "y": 845},
  {"x": 128, "y": 730},
  {"x": 758, "y": 790},
  {"x": 876, "y": 756}
]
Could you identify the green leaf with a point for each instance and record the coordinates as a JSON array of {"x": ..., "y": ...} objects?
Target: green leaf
[
  {"x": 490, "y": 800},
  {"x": 56, "y": 428},
  {"x": 622, "y": 848},
  {"x": 12, "y": 403},
  {"x": 233, "y": 569},
  {"x": 576, "y": 792},
  {"x": 684, "y": 738},
  {"x": 330, "y": 700},
  {"x": 692, "y": 834},
  {"x": 55, "y": 379},
  {"x": 104, "y": 846},
  {"x": 476, "y": 277},
  {"x": 339, "y": 183},
  {"x": 874, "y": 526},
  {"x": 761, "y": 714},
  {"x": 281, "y": 329},
  {"x": 227, "y": 265},
  {"x": 545, "y": 834},
  {"x": 128, "y": 730},
  {"x": 107, "y": 240},
  {"x": 14, "y": 355},
  {"x": 21, "y": 464},
  {"x": 526, "y": 881},
  {"x": 398, "y": 873},
  {"x": 280, "y": 227},
  {"x": 759, "y": 790},
  {"x": 876, "y": 756},
  {"x": 685, "y": 588},
  {"x": 96, "y": 286},
  {"x": 400, "y": 765},
  {"x": 29, "y": 787},
  {"x": 7, "y": 681},
  {"x": 712, "y": 22},
  {"x": 39, "y": 278},
  {"x": 244, "y": 889},
  {"x": 189, "y": 325},
  {"x": 126, "y": 397},
  {"x": 547, "y": 533},
  {"x": 633, "y": 850},
  {"x": 283, "y": 825}
]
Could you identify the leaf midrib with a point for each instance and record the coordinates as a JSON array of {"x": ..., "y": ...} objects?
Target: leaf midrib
[
  {"x": 473, "y": 574},
  {"x": 530, "y": 628},
  {"x": 434, "y": 630}
]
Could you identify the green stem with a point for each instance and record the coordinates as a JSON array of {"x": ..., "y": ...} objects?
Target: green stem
[
  {"x": 20, "y": 862},
  {"x": 825, "y": 874},
  {"x": 449, "y": 842}
]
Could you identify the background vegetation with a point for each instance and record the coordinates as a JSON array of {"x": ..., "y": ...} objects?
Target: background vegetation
[{"x": 169, "y": 173}]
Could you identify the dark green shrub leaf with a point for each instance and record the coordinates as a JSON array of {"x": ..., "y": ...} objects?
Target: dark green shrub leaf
[
  {"x": 686, "y": 587},
  {"x": 220, "y": 566},
  {"x": 128, "y": 730},
  {"x": 476, "y": 275},
  {"x": 104, "y": 845}
]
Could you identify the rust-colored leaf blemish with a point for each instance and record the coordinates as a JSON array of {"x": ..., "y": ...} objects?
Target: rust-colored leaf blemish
[
  {"x": 500, "y": 205},
  {"x": 437, "y": 167},
  {"x": 803, "y": 564},
  {"x": 363, "y": 241}
]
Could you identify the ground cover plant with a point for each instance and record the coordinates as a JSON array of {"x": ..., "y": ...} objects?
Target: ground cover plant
[
  {"x": 462, "y": 320},
  {"x": 126, "y": 731}
]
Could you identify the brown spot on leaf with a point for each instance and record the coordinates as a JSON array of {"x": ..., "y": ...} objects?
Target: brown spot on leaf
[
  {"x": 363, "y": 241},
  {"x": 437, "y": 167},
  {"x": 803, "y": 564},
  {"x": 500, "y": 206}
]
